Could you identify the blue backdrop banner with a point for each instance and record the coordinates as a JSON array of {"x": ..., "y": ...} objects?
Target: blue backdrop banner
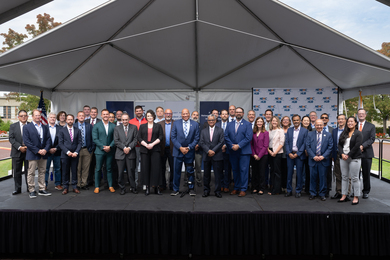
[
  {"x": 125, "y": 106},
  {"x": 207, "y": 106}
]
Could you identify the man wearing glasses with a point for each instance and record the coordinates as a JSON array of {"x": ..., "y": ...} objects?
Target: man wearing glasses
[
  {"x": 166, "y": 149},
  {"x": 329, "y": 129},
  {"x": 18, "y": 151}
]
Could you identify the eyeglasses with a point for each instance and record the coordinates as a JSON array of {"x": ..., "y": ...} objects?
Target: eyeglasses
[
  {"x": 168, "y": 114},
  {"x": 22, "y": 115},
  {"x": 324, "y": 117}
]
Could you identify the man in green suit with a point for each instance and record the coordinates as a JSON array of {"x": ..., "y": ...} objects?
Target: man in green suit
[{"x": 103, "y": 137}]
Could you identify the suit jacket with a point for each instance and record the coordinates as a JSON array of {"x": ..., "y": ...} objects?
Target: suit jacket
[
  {"x": 278, "y": 139},
  {"x": 215, "y": 145},
  {"x": 87, "y": 135},
  {"x": 89, "y": 120},
  {"x": 55, "y": 144},
  {"x": 300, "y": 142},
  {"x": 330, "y": 129},
  {"x": 162, "y": 143},
  {"x": 179, "y": 140},
  {"x": 157, "y": 133},
  {"x": 16, "y": 139},
  {"x": 326, "y": 147},
  {"x": 32, "y": 139},
  {"x": 259, "y": 144},
  {"x": 100, "y": 138},
  {"x": 243, "y": 137},
  {"x": 368, "y": 132},
  {"x": 121, "y": 141},
  {"x": 354, "y": 145},
  {"x": 66, "y": 144},
  {"x": 335, "y": 143}
]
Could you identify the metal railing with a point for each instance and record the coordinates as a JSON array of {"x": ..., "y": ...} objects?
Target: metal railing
[{"x": 381, "y": 160}]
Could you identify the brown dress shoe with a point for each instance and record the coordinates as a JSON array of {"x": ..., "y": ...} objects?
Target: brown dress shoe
[
  {"x": 76, "y": 191},
  {"x": 65, "y": 191},
  {"x": 234, "y": 192},
  {"x": 59, "y": 187},
  {"x": 226, "y": 190},
  {"x": 242, "y": 194},
  {"x": 111, "y": 189},
  {"x": 96, "y": 190}
]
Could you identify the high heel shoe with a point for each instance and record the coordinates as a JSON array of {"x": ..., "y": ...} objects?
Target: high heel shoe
[
  {"x": 147, "y": 191},
  {"x": 344, "y": 200},
  {"x": 355, "y": 203}
]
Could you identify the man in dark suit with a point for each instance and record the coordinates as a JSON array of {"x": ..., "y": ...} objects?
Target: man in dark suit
[
  {"x": 295, "y": 150},
  {"x": 225, "y": 182},
  {"x": 69, "y": 139},
  {"x": 54, "y": 154},
  {"x": 368, "y": 131},
  {"x": 103, "y": 137},
  {"x": 211, "y": 140},
  {"x": 18, "y": 151},
  {"x": 198, "y": 153},
  {"x": 167, "y": 149},
  {"x": 341, "y": 120},
  {"x": 184, "y": 136},
  {"x": 37, "y": 139},
  {"x": 92, "y": 120},
  {"x": 319, "y": 145},
  {"x": 238, "y": 136},
  {"x": 215, "y": 112},
  {"x": 125, "y": 138},
  {"x": 86, "y": 151},
  {"x": 329, "y": 129}
]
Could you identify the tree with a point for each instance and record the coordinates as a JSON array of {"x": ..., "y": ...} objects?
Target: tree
[
  {"x": 385, "y": 49},
  {"x": 45, "y": 22},
  {"x": 29, "y": 102},
  {"x": 12, "y": 39}
]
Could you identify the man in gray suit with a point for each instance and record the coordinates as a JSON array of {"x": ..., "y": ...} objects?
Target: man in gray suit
[
  {"x": 125, "y": 138},
  {"x": 211, "y": 141},
  {"x": 18, "y": 151}
]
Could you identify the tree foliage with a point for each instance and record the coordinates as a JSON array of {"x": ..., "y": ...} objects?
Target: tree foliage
[
  {"x": 29, "y": 102},
  {"x": 12, "y": 39},
  {"x": 385, "y": 49}
]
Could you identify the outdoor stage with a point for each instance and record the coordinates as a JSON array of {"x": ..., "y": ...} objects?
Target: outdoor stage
[{"x": 166, "y": 226}]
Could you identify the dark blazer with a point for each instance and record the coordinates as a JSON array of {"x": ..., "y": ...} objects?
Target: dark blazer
[
  {"x": 16, "y": 139},
  {"x": 335, "y": 143},
  {"x": 330, "y": 129},
  {"x": 66, "y": 143},
  {"x": 301, "y": 144},
  {"x": 121, "y": 141},
  {"x": 368, "y": 132},
  {"x": 88, "y": 136},
  {"x": 32, "y": 139},
  {"x": 326, "y": 147},
  {"x": 179, "y": 140},
  {"x": 206, "y": 124},
  {"x": 243, "y": 137},
  {"x": 89, "y": 120},
  {"x": 215, "y": 145},
  {"x": 162, "y": 143},
  {"x": 157, "y": 133},
  {"x": 55, "y": 144},
  {"x": 354, "y": 145}
]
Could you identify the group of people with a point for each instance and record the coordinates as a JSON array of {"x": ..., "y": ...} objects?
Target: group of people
[{"x": 260, "y": 153}]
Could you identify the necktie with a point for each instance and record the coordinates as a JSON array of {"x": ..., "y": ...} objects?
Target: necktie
[
  {"x": 224, "y": 126},
  {"x": 361, "y": 127},
  {"x": 237, "y": 125},
  {"x": 71, "y": 135},
  {"x": 185, "y": 128},
  {"x": 211, "y": 134},
  {"x": 318, "y": 150},
  {"x": 82, "y": 136},
  {"x": 126, "y": 131},
  {"x": 93, "y": 120}
]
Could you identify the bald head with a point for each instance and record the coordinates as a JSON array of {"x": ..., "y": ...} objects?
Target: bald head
[
  {"x": 185, "y": 114},
  {"x": 319, "y": 124}
]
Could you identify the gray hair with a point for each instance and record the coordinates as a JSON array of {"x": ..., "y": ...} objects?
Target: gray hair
[
  {"x": 213, "y": 116},
  {"x": 52, "y": 113}
]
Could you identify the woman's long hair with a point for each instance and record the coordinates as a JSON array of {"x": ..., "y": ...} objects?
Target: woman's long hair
[
  {"x": 255, "y": 127},
  {"x": 309, "y": 128},
  {"x": 345, "y": 134}
]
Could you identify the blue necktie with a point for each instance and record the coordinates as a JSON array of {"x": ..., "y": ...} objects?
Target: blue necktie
[
  {"x": 185, "y": 128},
  {"x": 318, "y": 150}
]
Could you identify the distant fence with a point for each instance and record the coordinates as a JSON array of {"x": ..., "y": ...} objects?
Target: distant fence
[
  {"x": 382, "y": 163},
  {"x": 5, "y": 177}
]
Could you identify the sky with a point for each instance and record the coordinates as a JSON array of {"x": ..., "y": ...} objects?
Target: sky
[{"x": 366, "y": 21}]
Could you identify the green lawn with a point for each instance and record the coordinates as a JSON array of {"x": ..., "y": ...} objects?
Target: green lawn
[
  {"x": 5, "y": 166},
  {"x": 385, "y": 168}
]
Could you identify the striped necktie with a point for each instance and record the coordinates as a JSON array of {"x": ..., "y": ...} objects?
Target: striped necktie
[
  {"x": 318, "y": 149},
  {"x": 71, "y": 135}
]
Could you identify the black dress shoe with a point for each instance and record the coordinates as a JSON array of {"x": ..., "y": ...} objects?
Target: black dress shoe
[
  {"x": 218, "y": 195},
  {"x": 16, "y": 192},
  {"x": 85, "y": 188},
  {"x": 365, "y": 196},
  {"x": 133, "y": 191},
  {"x": 123, "y": 192},
  {"x": 355, "y": 203},
  {"x": 205, "y": 194},
  {"x": 323, "y": 198},
  {"x": 288, "y": 194},
  {"x": 312, "y": 197},
  {"x": 336, "y": 196},
  {"x": 297, "y": 195}
]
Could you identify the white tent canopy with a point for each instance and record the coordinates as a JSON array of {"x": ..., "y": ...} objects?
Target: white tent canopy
[{"x": 189, "y": 49}]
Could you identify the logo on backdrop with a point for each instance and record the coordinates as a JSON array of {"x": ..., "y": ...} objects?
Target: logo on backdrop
[
  {"x": 256, "y": 91},
  {"x": 310, "y": 99},
  {"x": 271, "y": 91},
  {"x": 256, "y": 107},
  {"x": 287, "y": 91},
  {"x": 286, "y": 108},
  {"x": 294, "y": 100},
  {"x": 272, "y": 107},
  {"x": 319, "y": 107},
  {"x": 303, "y": 91},
  {"x": 335, "y": 90},
  {"x": 326, "y": 99},
  {"x": 278, "y": 99},
  {"x": 263, "y": 100},
  {"x": 302, "y": 108},
  {"x": 334, "y": 107},
  {"x": 319, "y": 90}
]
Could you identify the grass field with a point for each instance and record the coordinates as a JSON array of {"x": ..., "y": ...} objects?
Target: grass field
[
  {"x": 385, "y": 168},
  {"x": 5, "y": 166}
]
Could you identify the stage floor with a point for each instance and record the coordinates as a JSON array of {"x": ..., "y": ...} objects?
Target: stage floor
[{"x": 378, "y": 201}]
